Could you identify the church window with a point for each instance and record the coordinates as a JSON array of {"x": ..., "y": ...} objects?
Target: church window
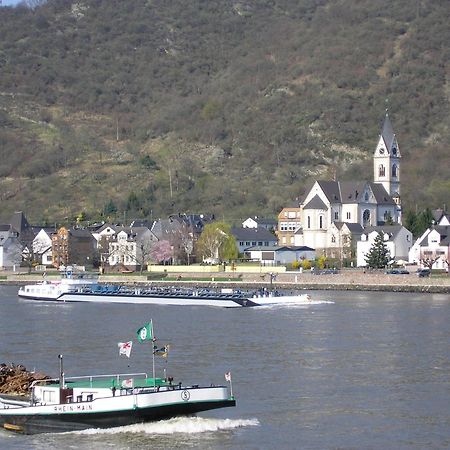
[
  {"x": 336, "y": 215},
  {"x": 394, "y": 170},
  {"x": 381, "y": 170},
  {"x": 366, "y": 197},
  {"x": 333, "y": 239},
  {"x": 309, "y": 221},
  {"x": 349, "y": 216},
  {"x": 366, "y": 217},
  {"x": 320, "y": 221}
]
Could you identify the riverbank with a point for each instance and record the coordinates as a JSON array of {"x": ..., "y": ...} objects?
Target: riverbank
[{"x": 347, "y": 280}]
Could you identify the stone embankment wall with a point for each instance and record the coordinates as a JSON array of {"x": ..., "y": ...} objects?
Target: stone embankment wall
[{"x": 351, "y": 279}]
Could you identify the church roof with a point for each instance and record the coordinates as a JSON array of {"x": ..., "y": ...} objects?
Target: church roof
[
  {"x": 387, "y": 132},
  {"x": 315, "y": 203},
  {"x": 352, "y": 227},
  {"x": 381, "y": 195},
  {"x": 350, "y": 192},
  {"x": 331, "y": 190}
]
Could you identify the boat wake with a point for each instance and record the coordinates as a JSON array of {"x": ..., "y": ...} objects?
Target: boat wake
[
  {"x": 181, "y": 425},
  {"x": 299, "y": 304}
]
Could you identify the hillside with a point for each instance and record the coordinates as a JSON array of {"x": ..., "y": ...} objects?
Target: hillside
[{"x": 145, "y": 108}]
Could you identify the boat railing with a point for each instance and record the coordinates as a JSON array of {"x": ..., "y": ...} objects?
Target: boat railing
[{"x": 91, "y": 378}]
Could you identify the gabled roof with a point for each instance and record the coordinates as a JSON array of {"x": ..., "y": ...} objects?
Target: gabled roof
[
  {"x": 106, "y": 226},
  {"x": 81, "y": 233},
  {"x": 133, "y": 233},
  {"x": 164, "y": 229},
  {"x": 391, "y": 230},
  {"x": 195, "y": 222},
  {"x": 440, "y": 215},
  {"x": 316, "y": 203},
  {"x": 444, "y": 232},
  {"x": 253, "y": 234},
  {"x": 265, "y": 221},
  {"x": 141, "y": 223}
]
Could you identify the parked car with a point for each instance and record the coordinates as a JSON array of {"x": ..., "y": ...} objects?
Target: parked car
[
  {"x": 325, "y": 271},
  {"x": 397, "y": 272},
  {"x": 423, "y": 273}
]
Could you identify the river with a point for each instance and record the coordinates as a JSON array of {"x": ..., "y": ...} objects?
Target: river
[{"x": 362, "y": 370}]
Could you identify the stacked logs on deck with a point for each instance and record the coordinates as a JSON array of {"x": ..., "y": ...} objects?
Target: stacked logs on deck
[{"x": 16, "y": 379}]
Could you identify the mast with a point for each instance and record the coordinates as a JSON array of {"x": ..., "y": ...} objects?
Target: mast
[
  {"x": 153, "y": 353},
  {"x": 61, "y": 372}
]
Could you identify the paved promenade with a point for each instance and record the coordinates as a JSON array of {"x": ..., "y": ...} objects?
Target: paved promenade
[{"x": 350, "y": 279}]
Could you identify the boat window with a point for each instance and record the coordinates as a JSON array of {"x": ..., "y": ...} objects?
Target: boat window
[{"x": 48, "y": 396}]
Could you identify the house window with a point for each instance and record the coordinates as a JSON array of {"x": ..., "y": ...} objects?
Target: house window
[
  {"x": 247, "y": 243},
  {"x": 309, "y": 221},
  {"x": 381, "y": 170},
  {"x": 349, "y": 216}
]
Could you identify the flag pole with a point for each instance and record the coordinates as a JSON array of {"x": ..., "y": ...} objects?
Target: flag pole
[{"x": 153, "y": 353}]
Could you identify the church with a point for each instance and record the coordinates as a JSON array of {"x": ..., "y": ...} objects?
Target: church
[{"x": 334, "y": 214}]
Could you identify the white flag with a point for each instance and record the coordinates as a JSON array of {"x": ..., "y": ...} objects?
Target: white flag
[
  {"x": 125, "y": 348},
  {"x": 228, "y": 376},
  {"x": 128, "y": 383}
]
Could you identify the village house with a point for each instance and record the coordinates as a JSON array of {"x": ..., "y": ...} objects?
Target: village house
[
  {"x": 130, "y": 247},
  {"x": 10, "y": 248},
  {"x": 246, "y": 238},
  {"x": 289, "y": 223},
  {"x": 279, "y": 255},
  {"x": 42, "y": 247},
  {"x": 432, "y": 248},
  {"x": 397, "y": 239},
  {"x": 259, "y": 222},
  {"x": 72, "y": 246}
]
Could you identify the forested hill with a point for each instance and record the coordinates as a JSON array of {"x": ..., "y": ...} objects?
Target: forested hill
[{"x": 148, "y": 107}]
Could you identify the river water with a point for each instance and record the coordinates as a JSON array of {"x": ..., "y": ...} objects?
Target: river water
[{"x": 358, "y": 371}]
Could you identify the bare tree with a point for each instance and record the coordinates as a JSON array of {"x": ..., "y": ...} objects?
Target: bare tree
[{"x": 429, "y": 261}]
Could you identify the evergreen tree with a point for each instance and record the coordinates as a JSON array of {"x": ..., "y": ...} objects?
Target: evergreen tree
[
  {"x": 378, "y": 255},
  {"x": 110, "y": 209}
]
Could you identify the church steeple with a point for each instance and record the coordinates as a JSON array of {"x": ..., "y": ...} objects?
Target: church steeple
[
  {"x": 386, "y": 163},
  {"x": 386, "y": 160}
]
